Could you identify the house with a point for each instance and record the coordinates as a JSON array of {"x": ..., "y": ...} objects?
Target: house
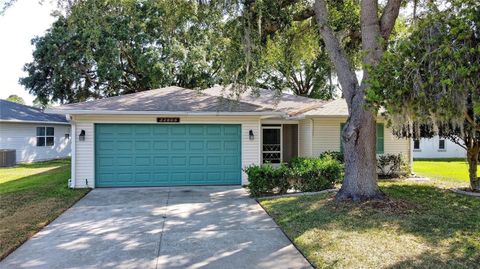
[
  {"x": 175, "y": 136},
  {"x": 35, "y": 135},
  {"x": 436, "y": 147}
]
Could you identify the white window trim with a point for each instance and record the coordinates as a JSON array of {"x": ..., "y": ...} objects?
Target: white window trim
[
  {"x": 44, "y": 136},
  {"x": 281, "y": 142}
]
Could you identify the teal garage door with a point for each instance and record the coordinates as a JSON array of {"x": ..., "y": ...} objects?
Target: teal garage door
[{"x": 167, "y": 154}]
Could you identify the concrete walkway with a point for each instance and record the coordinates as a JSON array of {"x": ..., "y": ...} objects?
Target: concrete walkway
[{"x": 182, "y": 227}]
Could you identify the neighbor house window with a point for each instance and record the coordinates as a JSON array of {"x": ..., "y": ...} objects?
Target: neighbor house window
[
  {"x": 45, "y": 136},
  {"x": 416, "y": 144},
  {"x": 441, "y": 144}
]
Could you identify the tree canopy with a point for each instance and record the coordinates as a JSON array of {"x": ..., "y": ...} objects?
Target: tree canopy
[
  {"x": 16, "y": 99},
  {"x": 97, "y": 48},
  {"x": 429, "y": 79},
  {"x": 102, "y": 49}
]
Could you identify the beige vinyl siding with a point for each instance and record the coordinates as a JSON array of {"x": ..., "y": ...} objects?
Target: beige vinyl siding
[
  {"x": 23, "y": 138},
  {"x": 326, "y": 136},
  {"x": 305, "y": 138},
  {"x": 85, "y": 149}
]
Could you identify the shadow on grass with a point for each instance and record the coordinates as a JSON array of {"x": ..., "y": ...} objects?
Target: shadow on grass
[
  {"x": 438, "y": 217},
  {"x": 29, "y": 203}
]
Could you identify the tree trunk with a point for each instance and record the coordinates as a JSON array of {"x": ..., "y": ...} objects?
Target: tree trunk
[
  {"x": 472, "y": 158},
  {"x": 360, "y": 182}
]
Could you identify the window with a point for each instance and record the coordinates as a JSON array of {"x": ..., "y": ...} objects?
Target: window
[
  {"x": 441, "y": 144},
  {"x": 416, "y": 144},
  {"x": 45, "y": 136},
  {"x": 380, "y": 138}
]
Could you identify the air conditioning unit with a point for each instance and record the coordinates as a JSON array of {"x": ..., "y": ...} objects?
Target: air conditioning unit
[{"x": 7, "y": 157}]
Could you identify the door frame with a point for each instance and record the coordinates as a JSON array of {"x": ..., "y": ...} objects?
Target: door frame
[{"x": 280, "y": 127}]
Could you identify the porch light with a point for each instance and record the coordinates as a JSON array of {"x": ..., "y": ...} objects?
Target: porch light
[
  {"x": 81, "y": 136},
  {"x": 250, "y": 135}
]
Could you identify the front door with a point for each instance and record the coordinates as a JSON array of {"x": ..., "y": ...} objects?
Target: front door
[
  {"x": 279, "y": 143},
  {"x": 271, "y": 144}
]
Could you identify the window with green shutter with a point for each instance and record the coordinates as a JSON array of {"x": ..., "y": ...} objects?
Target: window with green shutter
[
  {"x": 380, "y": 138},
  {"x": 380, "y": 141}
]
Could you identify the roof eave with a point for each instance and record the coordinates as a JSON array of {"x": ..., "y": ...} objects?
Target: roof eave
[
  {"x": 35, "y": 121},
  {"x": 178, "y": 113}
]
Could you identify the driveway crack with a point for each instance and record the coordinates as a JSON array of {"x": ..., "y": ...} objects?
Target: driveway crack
[{"x": 164, "y": 216}]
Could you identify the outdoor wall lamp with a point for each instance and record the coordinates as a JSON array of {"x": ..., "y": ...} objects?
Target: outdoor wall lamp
[
  {"x": 250, "y": 135},
  {"x": 81, "y": 136}
]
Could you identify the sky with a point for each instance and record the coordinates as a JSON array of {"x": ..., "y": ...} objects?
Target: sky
[{"x": 20, "y": 23}]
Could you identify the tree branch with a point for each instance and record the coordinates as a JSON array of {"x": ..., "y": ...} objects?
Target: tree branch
[
  {"x": 304, "y": 14},
  {"x": 346, "y": 74},
  {"x": 389, "y": 16}
]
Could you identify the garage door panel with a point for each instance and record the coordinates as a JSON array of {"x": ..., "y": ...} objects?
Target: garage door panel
[
  {"x": 125, "y": 161},
  {"x": 178, "y": 145},
  {"x": 194, "y": 161},
  {"x": 161, "y": 146},
  {"x": 196, "y": 146},
  {"x": 196, "y": 130},
  {"x": 178, "y": 130},
  {"x": 160, "y": 160},
  {"x": 167, "y": 154},
  {"x": 230, "y": 146}
]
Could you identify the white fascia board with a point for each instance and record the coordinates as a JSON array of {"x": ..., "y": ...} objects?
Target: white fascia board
[
  {"x": 35, "y": 122},
  {"x": 173, "y": 113}
]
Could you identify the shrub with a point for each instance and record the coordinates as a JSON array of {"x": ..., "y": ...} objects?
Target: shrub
[
  {"x": 337, "y": 155},
  {"x": 392, "y": 165},
  {"x": 302, "y": 174},
  {"x": 267, "y": 179},
  {"x": 315, "y": 174}
]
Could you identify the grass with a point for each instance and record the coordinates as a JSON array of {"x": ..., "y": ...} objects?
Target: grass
[
  {"x": 419, "y": 226},
  {"x": 454, "y": 170},
  {"x": 31, "y": 196}
]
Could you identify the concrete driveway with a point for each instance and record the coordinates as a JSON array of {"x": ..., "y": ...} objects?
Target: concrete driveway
[{"x": 181, "y": 227}]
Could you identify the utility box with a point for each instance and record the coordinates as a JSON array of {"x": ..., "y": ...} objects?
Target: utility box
[{"x": 8, "y": 157}]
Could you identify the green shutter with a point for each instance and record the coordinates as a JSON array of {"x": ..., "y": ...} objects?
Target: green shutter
[
  {"x": 380, "y": 138},
  {"x": 341, "y": 140}
]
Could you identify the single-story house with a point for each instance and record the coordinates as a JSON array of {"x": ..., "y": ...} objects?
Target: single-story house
[
  {"x": 34, "y": 134},
  {"x": 436, "y": 148},
  {"x": 175, "y": 136}
]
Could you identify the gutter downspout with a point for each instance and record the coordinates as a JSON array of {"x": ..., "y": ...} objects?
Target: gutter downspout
[{"x": 73, "y": 146}]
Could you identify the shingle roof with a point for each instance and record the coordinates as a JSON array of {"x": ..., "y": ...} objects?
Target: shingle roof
[
  {"x": 169, "y": 99},
  {"x": 212, "y": 100},
  {"x": 284, "y": 102},
  {"x": 337, "y": 107},
  {"x": 10, "y": 111}
]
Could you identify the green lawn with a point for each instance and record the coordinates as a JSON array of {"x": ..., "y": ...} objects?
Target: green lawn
[
  {"x": 421, "y": 226},
  {"x": 31, "y": 196},
  {"x": 454, "y": 170}
]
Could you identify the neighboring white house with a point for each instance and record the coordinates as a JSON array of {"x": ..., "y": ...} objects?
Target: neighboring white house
[
  {"x": 35, "y": 135},
  {"x": 175, "y": 136},
  {"x": 437, "y": 147}
]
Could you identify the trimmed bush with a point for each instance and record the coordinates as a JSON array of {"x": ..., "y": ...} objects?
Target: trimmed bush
[
  {"x": 302, "y": 174},
  {"x": 267, "y": 179},
  {"x": 315, "y": 174}
]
